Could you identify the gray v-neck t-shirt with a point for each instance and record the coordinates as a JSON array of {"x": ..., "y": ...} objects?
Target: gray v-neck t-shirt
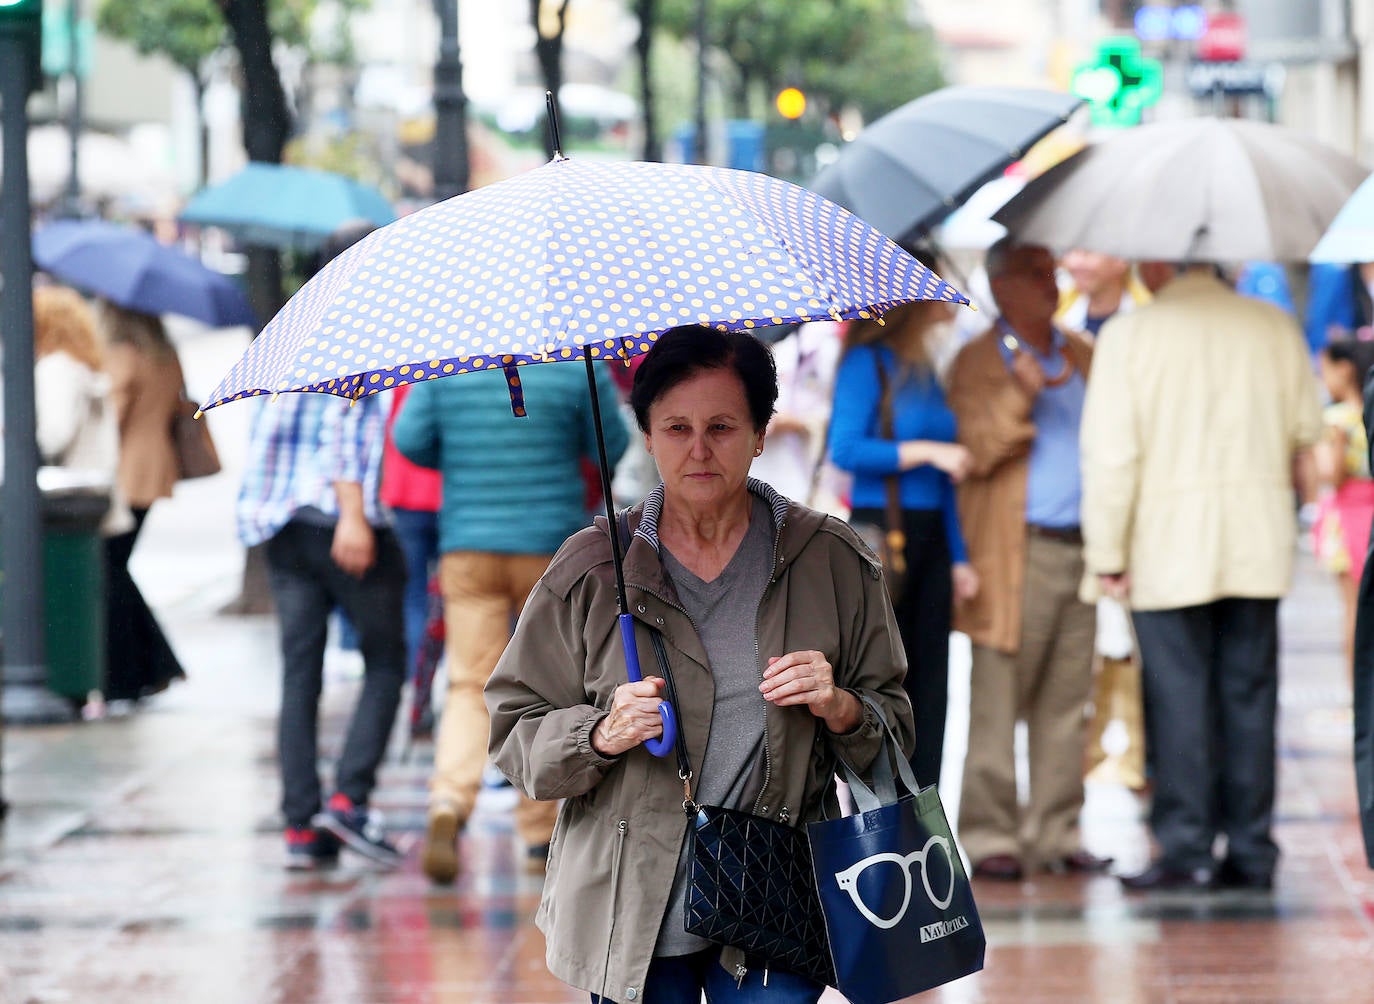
[{"x": 725, "y": 612}]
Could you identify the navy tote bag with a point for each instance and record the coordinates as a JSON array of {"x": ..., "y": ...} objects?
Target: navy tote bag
[{"x": 898, "y": 907}]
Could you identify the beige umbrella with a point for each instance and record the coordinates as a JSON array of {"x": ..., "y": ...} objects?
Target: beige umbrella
[{"x": 1207, "y": 190}]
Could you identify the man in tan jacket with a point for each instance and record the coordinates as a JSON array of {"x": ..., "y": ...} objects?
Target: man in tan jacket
[
  {"x": 1017, "y": 393},
  {"x": 1200, "y": 412}
]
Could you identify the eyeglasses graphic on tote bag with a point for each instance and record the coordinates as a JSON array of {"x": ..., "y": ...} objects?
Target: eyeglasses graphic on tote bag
[{"x": 898, "y": 907}]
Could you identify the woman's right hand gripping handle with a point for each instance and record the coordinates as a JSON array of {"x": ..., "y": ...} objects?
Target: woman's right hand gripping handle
[{"x": 638, "y": 713}]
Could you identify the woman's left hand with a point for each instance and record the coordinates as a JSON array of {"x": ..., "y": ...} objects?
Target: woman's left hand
[
  {"x": 808, "y": 678},
  {"x": 966, "y": 582}
]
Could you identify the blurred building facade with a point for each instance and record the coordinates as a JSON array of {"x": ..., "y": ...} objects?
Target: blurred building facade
[{"x": 1308, "y": 64}]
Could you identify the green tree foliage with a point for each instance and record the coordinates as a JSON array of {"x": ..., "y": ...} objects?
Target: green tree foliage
[
  {"x": 185, "y": 31},
  {"x": 861, "y": 53}
]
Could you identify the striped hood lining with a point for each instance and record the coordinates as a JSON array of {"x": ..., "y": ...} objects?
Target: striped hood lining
[{"x": 653, "y": 509}]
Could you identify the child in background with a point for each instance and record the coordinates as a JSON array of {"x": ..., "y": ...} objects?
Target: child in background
[{"x": 1346, "y": 508}]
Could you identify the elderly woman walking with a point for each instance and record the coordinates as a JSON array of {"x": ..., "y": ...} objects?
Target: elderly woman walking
[{"x": 776, "y": 625}]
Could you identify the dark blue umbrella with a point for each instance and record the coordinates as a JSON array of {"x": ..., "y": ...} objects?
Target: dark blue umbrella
[
  {"x": 575, "y": 260},
  {"x": 130, "y": 267},
  {"x": 281, "y": 206}
]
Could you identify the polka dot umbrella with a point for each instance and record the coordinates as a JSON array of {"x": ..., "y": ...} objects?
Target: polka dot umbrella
[
  {"x": 589, "y": 260},
  {"x": 569, "y": 260}
]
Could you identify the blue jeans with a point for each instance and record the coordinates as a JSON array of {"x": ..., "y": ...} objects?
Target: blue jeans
[
  {"x": 681, "y": 979},
  {"x": 418, "y": 533}
]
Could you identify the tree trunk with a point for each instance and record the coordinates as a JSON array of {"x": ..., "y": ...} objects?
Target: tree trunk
[
  {"x": 548, "y": 50},
  {"x": 266, "y": 121},
  {"x": 266, "y": 126},
  {"x": 646, "y": 10},
  {"x": 255, "y": 591},
  {"x": 202, "y": 128}
]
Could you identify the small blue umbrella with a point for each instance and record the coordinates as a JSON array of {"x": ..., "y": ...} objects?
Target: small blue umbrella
[
  {"x": 281, "y": 206},
  {"x": 1350, "y": 237},
  {"x": 570, "y": 261},
  {"x": 130, "y": 267}
]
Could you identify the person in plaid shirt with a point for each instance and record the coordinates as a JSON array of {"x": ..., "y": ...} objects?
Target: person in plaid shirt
[{"x": 310, "y": 495}]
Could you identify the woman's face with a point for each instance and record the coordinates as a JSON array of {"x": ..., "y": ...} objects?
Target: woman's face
[{"x": 702, "y": 438}]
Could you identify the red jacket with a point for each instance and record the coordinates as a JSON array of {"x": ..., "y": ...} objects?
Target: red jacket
[{"x": 406, "y": 485}]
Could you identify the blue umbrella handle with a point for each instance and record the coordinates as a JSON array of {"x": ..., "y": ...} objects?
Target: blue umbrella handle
[{"x": 663, "y": 745}]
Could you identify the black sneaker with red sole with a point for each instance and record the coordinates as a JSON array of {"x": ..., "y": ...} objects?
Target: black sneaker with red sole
[{"x": 358, "y": 829}]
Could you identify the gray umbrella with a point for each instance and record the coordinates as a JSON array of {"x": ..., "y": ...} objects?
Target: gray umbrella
[
  {"x": 914, "y": 166},
  {"x": 1207, "y": 190}
]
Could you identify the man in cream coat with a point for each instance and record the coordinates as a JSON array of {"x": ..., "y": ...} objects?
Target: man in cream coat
[{"x": 1199, "y": 416}]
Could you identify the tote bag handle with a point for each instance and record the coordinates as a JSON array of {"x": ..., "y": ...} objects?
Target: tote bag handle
[{"x": 884, "y": 790}]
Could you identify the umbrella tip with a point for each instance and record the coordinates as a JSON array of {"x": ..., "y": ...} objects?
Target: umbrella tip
[
  {"x": 551, "y": 103},
  {"x": 198, "y": 415}
]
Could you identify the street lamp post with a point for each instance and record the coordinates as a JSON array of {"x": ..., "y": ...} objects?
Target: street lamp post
[
  {"x": 450, "y": 164},
  {"x": 701, "y": 32},
  {"x": 20, "y": 540},
  {"x": 77, "y": 110}
]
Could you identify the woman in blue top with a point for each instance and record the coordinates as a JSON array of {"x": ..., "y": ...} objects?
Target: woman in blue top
[{"x": 927, "y": 462}]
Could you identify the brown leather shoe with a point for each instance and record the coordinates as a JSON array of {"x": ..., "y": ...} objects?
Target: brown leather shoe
[
  {"x": 1080, "y": 862},
  {"x": 439, "y": 859},
  {"x": 999, "y": 868}
]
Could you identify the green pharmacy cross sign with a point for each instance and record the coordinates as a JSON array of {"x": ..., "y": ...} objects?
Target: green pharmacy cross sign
[{"x": 1119, "y": 83}]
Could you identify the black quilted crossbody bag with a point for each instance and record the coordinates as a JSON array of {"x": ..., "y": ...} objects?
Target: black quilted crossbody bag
[{"x": 750, "y": 882}]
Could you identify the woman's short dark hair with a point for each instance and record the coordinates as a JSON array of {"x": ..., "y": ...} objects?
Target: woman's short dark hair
[{"x": 683, "y": 352}]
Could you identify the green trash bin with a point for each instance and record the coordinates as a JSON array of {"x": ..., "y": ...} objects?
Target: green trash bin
[{"x": 74, "y": 588}]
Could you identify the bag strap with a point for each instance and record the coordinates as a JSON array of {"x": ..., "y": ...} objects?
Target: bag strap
[
  {"x": 896, "y": 532},
  {"x": 684, "y": 764},
  {"x": 865, "y": 798}
]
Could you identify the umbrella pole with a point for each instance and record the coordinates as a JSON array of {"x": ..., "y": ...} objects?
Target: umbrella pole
[
  {"x": 663, "y": 745},
  {"x": 605, "y": 467}
]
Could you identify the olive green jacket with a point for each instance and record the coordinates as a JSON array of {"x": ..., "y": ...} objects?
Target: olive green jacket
[{"x": 615, "y": 847}]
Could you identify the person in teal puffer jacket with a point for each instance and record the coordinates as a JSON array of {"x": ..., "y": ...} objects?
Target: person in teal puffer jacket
[{"x": 513, "y": 491}]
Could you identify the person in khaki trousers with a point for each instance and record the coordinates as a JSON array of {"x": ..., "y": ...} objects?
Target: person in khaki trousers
[
  {"x": 1017, "y": 394},
  {"x": 513, "y": 491}
]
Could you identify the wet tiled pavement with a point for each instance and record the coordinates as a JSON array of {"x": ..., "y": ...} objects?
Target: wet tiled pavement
[
  {"x": 142, "y": 864},
  {"x": 142, "y": 860}
]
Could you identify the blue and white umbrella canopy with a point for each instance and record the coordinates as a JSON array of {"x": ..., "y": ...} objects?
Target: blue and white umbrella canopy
[
  {"x": 1350, "y": 237},
  {"x": 571, "y": 260},
  {"x": 129, "y": 267}
]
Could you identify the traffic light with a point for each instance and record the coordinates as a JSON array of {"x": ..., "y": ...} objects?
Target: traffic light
[
  {"x": 23, "y": 20},
  {"x": 20, "y": 15},
  {"x": 791, "y": 103},
  {"x": 1119, "y": 83}
]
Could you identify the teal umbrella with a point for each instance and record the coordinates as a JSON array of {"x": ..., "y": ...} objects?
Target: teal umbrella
[{"x": 280, "y": 206}]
